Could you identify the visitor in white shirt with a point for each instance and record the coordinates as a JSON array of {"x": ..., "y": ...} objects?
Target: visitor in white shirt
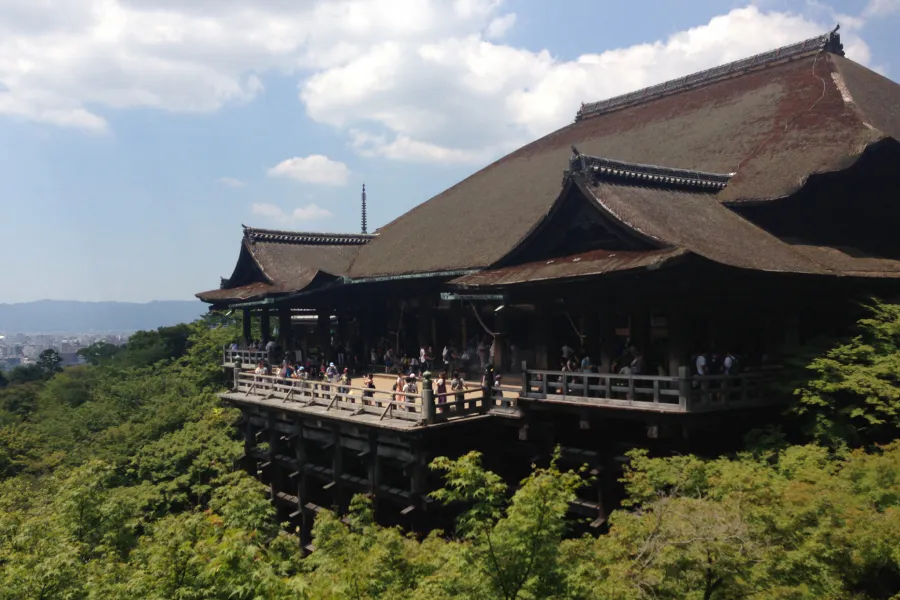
[{"x": 701, "y": 365}]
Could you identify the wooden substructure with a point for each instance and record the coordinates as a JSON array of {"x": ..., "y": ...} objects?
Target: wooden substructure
[{"x": 318, "y": 443}]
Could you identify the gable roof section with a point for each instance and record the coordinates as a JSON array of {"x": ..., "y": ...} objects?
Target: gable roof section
[
  {"x": 586, "y": 264},
  {"x": 276, "y": 262},
  {"x": 679, "y": 212},
  {"x": 772, "y": 125}
]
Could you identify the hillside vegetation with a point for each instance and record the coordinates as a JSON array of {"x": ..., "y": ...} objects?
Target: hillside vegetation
[{"x": 119, "y": 481}]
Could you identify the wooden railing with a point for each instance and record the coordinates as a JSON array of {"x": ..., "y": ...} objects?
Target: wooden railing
[
  {"x": 682, "y": 393},
  {"x": 424, "y": 408},
  {"x": 247, "y": 357}
]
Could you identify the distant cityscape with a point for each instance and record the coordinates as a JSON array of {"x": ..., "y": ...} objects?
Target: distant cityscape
[{"x": 24, "y": 348}]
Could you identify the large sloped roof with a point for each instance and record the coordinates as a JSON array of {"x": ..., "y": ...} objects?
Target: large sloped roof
[
  {"x": 274, "y": 262},
  {"x": 772, "y": 125},
  {"x": 678, "y": 213}
]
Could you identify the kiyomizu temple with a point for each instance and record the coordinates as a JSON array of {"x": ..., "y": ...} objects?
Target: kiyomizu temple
[{"x": 736, "y": 212}]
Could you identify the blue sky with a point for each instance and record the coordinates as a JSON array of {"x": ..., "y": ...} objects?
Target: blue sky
[{"x": 136, "y": 136}]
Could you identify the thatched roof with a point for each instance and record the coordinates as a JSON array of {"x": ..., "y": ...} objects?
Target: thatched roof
[{"x": 773, "y": 126}]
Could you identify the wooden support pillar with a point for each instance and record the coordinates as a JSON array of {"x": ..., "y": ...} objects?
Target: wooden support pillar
[
  {"x": 542, "y": 351},
  {"x": 590, "y": 334},
  {"x": 337, "y": 469},
  {"x": 679, "y": 340},
  {"x": 285, "y": 332},
  {"x": 306, "y": 520},
  {"x": 323, "y": 332},
  {"x": 418, "y": 476},
  {"x": 249, "y": 442},
  {"x": 501, "y": 358},
  {"x": 464, "y": 344},
  {"x": 275, "y": 466},
  {"x": 423, "y": 325},
  {"x": 265, "y": 328},
  {"x": 246, "y": 322}
]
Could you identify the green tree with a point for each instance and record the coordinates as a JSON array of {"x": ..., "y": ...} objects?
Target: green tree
[
  {"x": 99, "y": 352},
  {"x": 853, "y": 394},
  {"x": 49, "y": 362},
  {"x": 516, "y": 549},
  {"x": 26, "y": 374}
]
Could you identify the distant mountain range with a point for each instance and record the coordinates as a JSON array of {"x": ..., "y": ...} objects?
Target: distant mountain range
[{"x": 67, "y": 316}]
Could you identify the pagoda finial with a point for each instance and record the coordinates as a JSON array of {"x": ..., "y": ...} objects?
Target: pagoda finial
[{"x": 364, "y": 209}]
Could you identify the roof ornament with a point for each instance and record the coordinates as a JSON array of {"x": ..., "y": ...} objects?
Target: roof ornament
[
  {"x": 364, "y": 209},
  {"x": 649, "y": 175}
]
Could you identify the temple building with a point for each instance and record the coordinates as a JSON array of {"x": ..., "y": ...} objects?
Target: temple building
[{"x": 739, "y": 211}]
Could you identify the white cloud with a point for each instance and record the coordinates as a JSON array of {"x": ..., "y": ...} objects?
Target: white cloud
[
  {"x": 314, "y": 168},
  {"x": 881, "y": 8},
  {"x": 275, "y": 213},
  {"x": 410, "y": 80},
  {"x": 466, "y": 99},
  {"x": 231, "y": 182},
  {"x": 64, "y": 61},
  {"x": 499, "y": 26}
]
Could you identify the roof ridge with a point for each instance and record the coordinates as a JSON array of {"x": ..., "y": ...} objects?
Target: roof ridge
[
  {"x": 607, "y": 168},
  {"x": 254, "y": 234},
  {"x": 827, "y": 42}
]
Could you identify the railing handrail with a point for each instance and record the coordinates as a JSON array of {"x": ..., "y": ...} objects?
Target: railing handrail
[
  {"x": 613, "y": 375},
  {"x": 742, "y": 374},
  {"x": 291, "y": 382}
]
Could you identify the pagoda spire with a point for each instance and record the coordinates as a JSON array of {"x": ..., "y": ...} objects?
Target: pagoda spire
[{"x": 364, "y": 209}]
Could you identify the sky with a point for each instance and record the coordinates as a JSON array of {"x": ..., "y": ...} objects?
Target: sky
[{"x": 137, "y": 136}]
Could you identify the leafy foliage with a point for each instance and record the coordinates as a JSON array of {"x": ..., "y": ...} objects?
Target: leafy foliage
[
  {"x": 118, "y": 480},
  {"x": 853, "y": 396}
]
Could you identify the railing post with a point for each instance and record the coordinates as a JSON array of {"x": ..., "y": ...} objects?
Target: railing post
[
  {"x": 684, "y": 389},
  {"x": 607, "y": 385},
  {"x": 525, "y": 389},
  {"x": 427, "y": 398},
  {"x": 237, "y": 372},
  {"x": 487, "y": 388}
]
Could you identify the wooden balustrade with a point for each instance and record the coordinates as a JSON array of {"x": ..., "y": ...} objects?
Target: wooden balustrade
[
  {"x": 425, "y": 408},
  {"x": 246, "y": 356},
  {"x": 682, "y": 393}
]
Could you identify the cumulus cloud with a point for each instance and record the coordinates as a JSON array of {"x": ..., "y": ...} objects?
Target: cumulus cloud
[
  {"x": 409, "y": 80},
  {"x": 881, "y": 8},
  {"x": 57, "y": 58},
  {"x": 231, "y": 182},
  {"x": 314, "y": 168},
  {"x": 499, "y": 26},
  {"x": 465, "y": 98},
  {"x": 310, "y": 212}
]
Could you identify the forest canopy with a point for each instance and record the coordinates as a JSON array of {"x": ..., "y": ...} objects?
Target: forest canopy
[{"x": 118, "y": 480}]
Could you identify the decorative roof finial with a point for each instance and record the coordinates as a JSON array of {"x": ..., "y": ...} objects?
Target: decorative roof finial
[{"x": 364, "y": 209}]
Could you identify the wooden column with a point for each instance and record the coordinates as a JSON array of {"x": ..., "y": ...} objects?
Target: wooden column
[
  {"x": 299, "y": 477},
  {"x": 423, "y": 325},
  {"x": 246, "y": 322},
  {"x": 337, "y": 470},
  {"x": 285, "y": 333},
  {"x": 265, "y": 328},
  {"x": 323, "y": 332},
  {"x": 679, "y": 339},
  {"x": 542, "y": 351}
]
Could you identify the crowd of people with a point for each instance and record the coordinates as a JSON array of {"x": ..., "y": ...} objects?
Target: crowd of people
[{"x": 448, "y": 383}]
